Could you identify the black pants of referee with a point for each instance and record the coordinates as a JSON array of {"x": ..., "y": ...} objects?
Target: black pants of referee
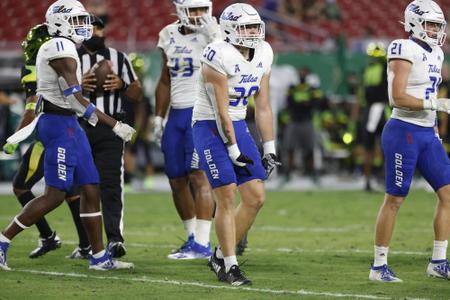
[{"x": 107, "y": 150}]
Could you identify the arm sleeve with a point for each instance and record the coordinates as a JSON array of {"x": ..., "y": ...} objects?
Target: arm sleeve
[
  {"x": 213, "y": 57},
  {"x": 400, "y": 49}
]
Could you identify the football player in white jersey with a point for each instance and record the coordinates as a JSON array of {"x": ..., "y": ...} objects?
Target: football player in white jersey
[
  {"x": 233, "y": 70},
  {"x": 68, "y": 157},
  {"x": 182, "y": 44},
  {"x": 410, "y": 138}
]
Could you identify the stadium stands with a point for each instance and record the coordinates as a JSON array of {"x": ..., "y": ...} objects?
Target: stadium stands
[{"x": 141, "y": 20}]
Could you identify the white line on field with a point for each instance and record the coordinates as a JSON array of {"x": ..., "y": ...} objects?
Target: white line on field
[
  {"x": 301, "y": 292},
  {"x": 282, "y": 250}
]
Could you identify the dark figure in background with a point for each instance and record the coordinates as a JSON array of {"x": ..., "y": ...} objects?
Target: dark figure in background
[
  {"x": 107, "y": 148},
  {"x": 376, "y": 97},
  {"x": 303, "y": 99},
  {"x": 31, "y": 168},
  {"x": 138, "y": 116}
]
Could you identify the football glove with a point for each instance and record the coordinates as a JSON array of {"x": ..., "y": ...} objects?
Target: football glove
[
  {"x": 158, "y": 129},
  {"x": 441, "y": 104},
  {"x": 270, "y": 161},
  {"x": 124, "y": 131},
  {"x": 238, "y": 159},
  {"x": 210, "y": 28},
  {"x": 10, "y": 148}
]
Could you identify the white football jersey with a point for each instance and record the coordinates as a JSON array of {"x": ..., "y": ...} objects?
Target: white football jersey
[
  {"x": 423, "y": 81},
  {"x": 183, "y": 53},
  {"x": 47, "y": 79},
  {"x": 244, "y": 78}
]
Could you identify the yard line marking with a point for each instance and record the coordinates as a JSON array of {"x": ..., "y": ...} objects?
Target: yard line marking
[
  {"x": 282, "y": 250},
  {"x": 300, "y": 292}
]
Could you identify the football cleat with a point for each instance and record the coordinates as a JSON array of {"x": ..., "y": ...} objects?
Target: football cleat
[
  {"x": 196, "y": 251},
  {"x": 81, "y": 253},
  {"x": 217, "y": 265},
  {"x": 186, "y": 247},
  {"x": 106, "y": 263},
  {"x": 3, "y": 249},
  {"x": 383, "y": 274},
  {"x": 236, "y": 277},
  {"x": 439, "y": 269},
  {"x": 117, "y": 249},
  {"x": 53, "y": 242},
  {"x": 242, "y": 245}
]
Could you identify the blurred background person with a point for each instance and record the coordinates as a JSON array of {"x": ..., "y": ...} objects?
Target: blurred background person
[
  {"x": 376, "y": 97},
  {"x": 299, "y": 134}
]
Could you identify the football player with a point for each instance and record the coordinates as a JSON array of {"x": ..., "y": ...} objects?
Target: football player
[
  {"x": 31, "y": 169},
  {"x": 68, "y": 158},
  {"x": 231, "y": 72},
  {"x": 182, "y": 44},
  {"x": 410, "y": 138}
]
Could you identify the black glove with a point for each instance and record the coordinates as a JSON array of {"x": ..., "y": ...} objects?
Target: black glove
[
  {"x": 270, "y": 161},
  {"x": 245, "y": 160},
  {"x": 238, "y": 159}
]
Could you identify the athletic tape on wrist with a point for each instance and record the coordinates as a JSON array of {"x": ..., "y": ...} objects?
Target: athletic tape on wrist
[
  {"x": 91, "y": 215},
  {"x": 16, "y": 220},
  {"x": 30, "y": 106}
]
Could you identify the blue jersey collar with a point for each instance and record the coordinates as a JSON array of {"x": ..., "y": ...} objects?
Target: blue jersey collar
[{"x": 422, "y": 44}]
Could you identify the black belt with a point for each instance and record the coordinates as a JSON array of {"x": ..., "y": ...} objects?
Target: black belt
[{"x": 51, "y": 108}]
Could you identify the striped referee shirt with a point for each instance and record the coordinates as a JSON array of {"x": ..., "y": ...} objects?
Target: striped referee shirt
[{"x": 110, "y": 102}]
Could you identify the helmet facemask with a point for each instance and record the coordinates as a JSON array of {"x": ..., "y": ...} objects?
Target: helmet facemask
[
  {"x": 247, "y": 35},
  {"x": 190, "y": 19},
  {"x": 439, "y": 36},
  {"x": 80, "y": 27}
]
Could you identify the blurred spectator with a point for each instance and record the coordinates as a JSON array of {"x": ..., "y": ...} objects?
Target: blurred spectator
[
  {"x": 292, "y": 9},
  {"x": 5, "y": 103},
  {"x": 376, "y": 97},
  {"x": 299, "y": 133},
  {"x": 137, "y": 157},
  {"x": 332, "y": 10},
  {"x": 98, "y": 8}
]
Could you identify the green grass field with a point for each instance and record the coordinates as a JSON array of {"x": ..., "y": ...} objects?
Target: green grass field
[{"x": 303, "y": 245}]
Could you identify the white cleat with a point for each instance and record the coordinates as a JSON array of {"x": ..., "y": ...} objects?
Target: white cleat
[
  {"x": 3, "y": 249},
  {"x": 106, "y": 263},
  {"x": 383, "y": 274},
  {"x": 439, "y": 269}
]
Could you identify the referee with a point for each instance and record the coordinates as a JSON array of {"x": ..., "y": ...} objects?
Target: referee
[{"x": 107, "y": 148}]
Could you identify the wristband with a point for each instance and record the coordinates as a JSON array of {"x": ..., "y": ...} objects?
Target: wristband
[
  {"x": 428, "y": 105},
  {"x": 30, "y": 106},
  {"x": 90, "y": 109},
  {"x": 233, "y": 151},
  {"x": 72, "y": 90},
  {"x": 269, "y": 147}
]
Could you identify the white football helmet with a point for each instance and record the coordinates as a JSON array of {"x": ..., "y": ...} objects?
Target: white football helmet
[
  {"x": 183, "y": 13},
  {"x": 417, "y": 14},
  {"x": 234, "y": 23},
  {"x": 70, "y": 19}
]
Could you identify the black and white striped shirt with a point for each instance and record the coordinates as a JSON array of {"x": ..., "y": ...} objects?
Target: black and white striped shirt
[{"x": 110, "y": 102}]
